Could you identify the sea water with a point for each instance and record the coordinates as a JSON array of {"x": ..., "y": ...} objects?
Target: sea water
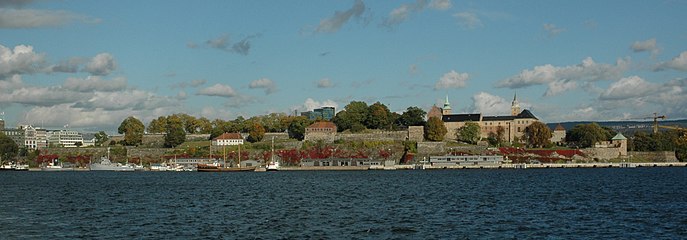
[{"x": 642, "y": 203}]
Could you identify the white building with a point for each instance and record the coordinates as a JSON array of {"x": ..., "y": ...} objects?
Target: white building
[
  {"x": 35, "y": 138},
  {"x": 65, "y": 138},
  {"x": 228, "y": 139}
]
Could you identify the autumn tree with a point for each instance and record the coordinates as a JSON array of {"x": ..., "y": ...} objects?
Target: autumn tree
[
  {"x": 257, "y": 133},
  {"x": 133, "y": 129},
  {"x": 538, "y": 134},
  {"x": 158, "y": 125},
  {"x": 379, "y": 117},
  {"x": 175, "y": 134},
  {"x": 470, "y": 133},
  {"x": 435, "y": 130}
]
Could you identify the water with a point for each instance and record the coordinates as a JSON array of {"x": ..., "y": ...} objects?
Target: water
[{"x": 643, "y": 203}]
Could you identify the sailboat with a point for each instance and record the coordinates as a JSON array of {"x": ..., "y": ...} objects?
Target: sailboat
[
  {"x": 273, "y": 165},
  {"x": 217, "y": 167}
]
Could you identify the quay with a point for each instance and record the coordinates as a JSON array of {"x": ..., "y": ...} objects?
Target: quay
[{"x": 558, "y": 165}]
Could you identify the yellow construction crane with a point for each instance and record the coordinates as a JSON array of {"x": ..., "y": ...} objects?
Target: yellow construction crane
[
  {"x": 655, "y": 117},
  {"x": 684, "y": 130}
]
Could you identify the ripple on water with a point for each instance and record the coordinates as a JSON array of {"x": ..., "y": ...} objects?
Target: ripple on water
[{"x": 502, "y": 204}]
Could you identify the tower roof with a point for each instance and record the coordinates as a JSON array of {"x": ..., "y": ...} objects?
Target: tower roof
[{"x": 619, "y": 136}]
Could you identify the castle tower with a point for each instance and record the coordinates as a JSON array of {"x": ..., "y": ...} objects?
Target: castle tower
[
  {"x": 446, "y": 110},
  {"x": 515, "y": 106}
]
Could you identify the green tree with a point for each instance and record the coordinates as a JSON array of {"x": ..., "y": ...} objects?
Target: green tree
[
  {"x": 100, "y": 138},
  {"x": 256, "y": 133},
  {"x": 175, "y": 134},
  {"x": 379, "y": 117},
  {"x": 538, "y": 134},
  {"x": 470, "y": 133},
  {"x": 189, "y": 123},
  {"x": 413, "y": 116},
  {"x": 435, "y": 130},
  {"x": 354, "y": 114},
  {"x": 297, "y": 127},
  {"x": 133, "y": 129},
  {"x": 8, "y": 148},
  {"x": 586, "y": 135},
  {"x": 158, "y": 125},
  {"x": 205, "y": 125}
]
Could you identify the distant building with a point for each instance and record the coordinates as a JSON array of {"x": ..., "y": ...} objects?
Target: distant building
[
  {"x": 324, "y": 113},
  {"x": 513, "y": 126},
  {"x": 35, "y": 138},
  {"x": 65, "y": 138},
  {"x": 320, "y": 131},
  {"x": 228, "y": 139},
  {"x": 558, "y": 134}
]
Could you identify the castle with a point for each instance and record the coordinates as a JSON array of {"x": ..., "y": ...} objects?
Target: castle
[{"x": 513, "y": 126}]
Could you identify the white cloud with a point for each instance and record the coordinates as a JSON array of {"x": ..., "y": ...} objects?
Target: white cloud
[
  {"x": 452, "y": 79},
  {"x": 678, "y": 63},
  {"x": 325, "y": 83},
  {"x": 440, "y": 4},
  {"x": 218, "y": 90},
  {"x": 31, "y": 18},
  {"x": 559, "y": 86},
  {"x": 11, "y": 83},
  {"x": 490, "y": 105},
  {"x": 265, "y": 83},
  {"x": 21, "y": 60},
  {"x": 94, "y": 83},
  {"x": 641, "y": 46},
  {"x": 629, "y": 87},
  {"x": 40, "y": 96},
  {"x": 587, "y": 71},
  {"x": 648, "y": 45},
  {"x": 552, "y": 30},
  {"x": 102, "y": 64},
  {"x": 468, "y": 20},
  {"x": 311, "y": 104},
  {"x": 136, "y": 100},
  {"x": 334, "y": 23},
  {"x": 401, "y": 13}
]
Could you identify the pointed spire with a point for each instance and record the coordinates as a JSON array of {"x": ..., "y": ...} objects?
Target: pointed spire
[{"x": 447, "y": 105}]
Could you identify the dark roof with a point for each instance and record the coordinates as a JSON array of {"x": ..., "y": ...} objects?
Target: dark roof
[
  {"x": 461, "y": 117},
  {"x": 475, "y": 117},
  {"x": 527, "y": 114}
]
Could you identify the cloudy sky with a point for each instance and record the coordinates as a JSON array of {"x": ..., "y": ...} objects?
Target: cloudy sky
[{"x": 90, "y": 64}]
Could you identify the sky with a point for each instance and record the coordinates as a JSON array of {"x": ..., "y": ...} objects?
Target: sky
[{"x": 91, "y": 64}]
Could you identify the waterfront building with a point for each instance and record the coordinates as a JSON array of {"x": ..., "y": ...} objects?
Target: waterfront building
[
  {"x": 228, "y": 139},
  {"x": 65, "y": 138},
  {"x": 35, "y": 138},
  {"x": 513, "y": 126},
  {"x": 342, "y": 162},
  {"x": 320, "y": 131},
  {"x": 324, "y": 113}
]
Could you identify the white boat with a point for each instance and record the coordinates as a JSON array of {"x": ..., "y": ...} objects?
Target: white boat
[
  {"x": 273, "y": 165},
  {"x": 56, "y": 166}
]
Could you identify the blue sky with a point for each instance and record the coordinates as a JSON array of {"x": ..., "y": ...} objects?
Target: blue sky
[{"x": 90, "y": 64}]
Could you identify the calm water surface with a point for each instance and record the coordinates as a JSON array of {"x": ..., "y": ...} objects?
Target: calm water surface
[{"x": 643, "y": 203}]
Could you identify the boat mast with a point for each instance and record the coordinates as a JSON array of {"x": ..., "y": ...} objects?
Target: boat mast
[
  {"x": 272, "y": 155},
  {"x": 239, "y": 165}
]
